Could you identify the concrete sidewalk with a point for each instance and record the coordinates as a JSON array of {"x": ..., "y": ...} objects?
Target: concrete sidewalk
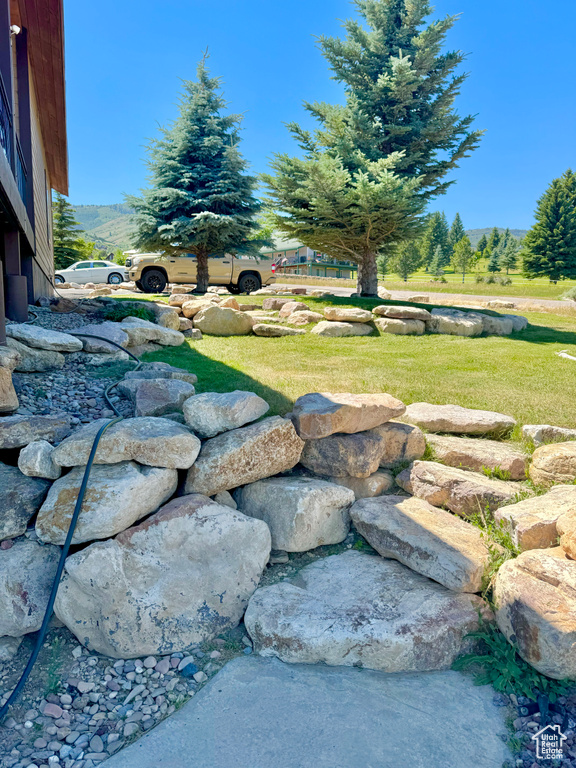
[{"x": 261, "y": 713}]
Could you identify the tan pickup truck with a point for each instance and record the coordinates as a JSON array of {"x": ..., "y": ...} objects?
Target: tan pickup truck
[{"x": 240, "y": 274}]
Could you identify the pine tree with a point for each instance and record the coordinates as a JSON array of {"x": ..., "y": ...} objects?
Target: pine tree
[
  {"x": 505, "y": 238},
  {"x": 407, "y": 260},
  {"x": 482, "y": 245},
  {"x": 66, "y": 233},
  {"x": 435, "y": 236},
  {"x": 396, "y": 137},
  {"x": 494, "y": 240},
  {"x": 549, "y": 248},
  {"x": 463, "y": 256},
  {"x": 437, "y": 264},
  {"x": 509, "y": 257},
  {"x": 200, "y": 200},
  {"x": 494, "y": 262},
  {"x": 457, "y": 232}
]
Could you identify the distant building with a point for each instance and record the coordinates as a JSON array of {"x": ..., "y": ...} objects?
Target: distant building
[
  {"x": 293, "y": 258},
  {"x": 33, "y": 149}
]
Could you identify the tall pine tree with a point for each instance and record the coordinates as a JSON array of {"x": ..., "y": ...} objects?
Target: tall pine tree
[
  {"x": 550, "y": 246},
  {"x": 200, "y": 199},
  {"x": 399, "y": 118},
  {"x": 66, "y": 233},
  {"x": 482, "y": 245},
  {"x": 435, "y": 236},
  {"x": 407, "y": 260},
  {"x": 509, "y": 257},
  {"x": 494, "y": 239},
  {"x": 457, "y": 232}
]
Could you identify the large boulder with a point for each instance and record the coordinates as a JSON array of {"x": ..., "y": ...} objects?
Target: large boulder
[
  {"x": 458, "y": 420},
  {"x": 338, "y": 330},
  {"x": 356, "y": 609},
  {"x": 158, "y": 370},
  {"x": 292, "y": 306},
  {"x": 400, "y": 327},
  {"x": 455, "y": 323},
  {"x": 535, "y": 599},
  {"x": 151, "y": 441},
  {"x": 221, "y": 321},
  {"x": 35, "y": 460},
  {"x": 546, "y": 433},
  {"x": 245, "y": 455},
  {"x": 143, "y": 331},
  {"x": 320, "y": 414},
  {"x": 17, "y": 431},
  {"x": 8, "y": 397},
  {"x": 519, "y": 323},
  {"x": 496, "y": 325},
  {"x": 428, "y": 540},
  {"x": 9, "y": 358},
  {"x": 302, "y": 513},
  {"x": 402, "y": 313},
  {"x": 555, "y": 463},
  {"x": 401, "y": 443},
  {"x": 566, "y": 527},
  {"x": 107, "y": 330},
  {"x": 366, "y": 487},
  {"x": 211, "y": 413},
  {"x": 465, "y": 493},
  {"x": 20, "y": 499},
  {"x": 532, "y": 523},
  {"x": 190, "y": 308},
  {"x": 275, "y": 331},
  {"x": 35, "y": 360},
  {"x": 182, "y": 577},
  {"x": 478, "y": 455},
  {"x": 302, "y": 317},
  {"x": 116, "y": 497},
  {"x": 356, "y": 455},
  {"x": 157, "y": 397},
  {"x": 348, "y": 314},
  {"x": 274, "y": 304},
  {"x": 27, "y": 571},
  {"x": 43, "y": 338}
]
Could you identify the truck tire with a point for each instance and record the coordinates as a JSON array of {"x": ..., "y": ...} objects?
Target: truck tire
[
  {"x": 153, "y": 281},
  {"x": 139, "y": 285},
  {"x": 233, "y": 288},
  {"x": 249, "y": 283}
]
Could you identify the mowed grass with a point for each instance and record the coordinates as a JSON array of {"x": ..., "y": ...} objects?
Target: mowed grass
[{"x": 519, "y": 375}]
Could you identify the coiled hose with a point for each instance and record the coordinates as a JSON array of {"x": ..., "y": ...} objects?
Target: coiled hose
[{"x": 72, "y": 527}]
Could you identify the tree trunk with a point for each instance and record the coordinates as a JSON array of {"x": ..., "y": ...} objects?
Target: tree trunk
[
  {"x": 202, "y": 276},
  {"x": 367, "y": 283}
]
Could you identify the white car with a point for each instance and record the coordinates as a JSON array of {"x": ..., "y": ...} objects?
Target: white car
[{"x": 92, "y": 272}]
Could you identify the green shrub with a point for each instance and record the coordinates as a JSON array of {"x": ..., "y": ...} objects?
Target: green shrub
[
  {"x": 570, "y": 294},
  {"x": 119, "y": 312}
]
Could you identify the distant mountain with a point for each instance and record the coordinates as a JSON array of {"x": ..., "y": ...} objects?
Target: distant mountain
[
  {"x": 476, "y": 234},
  {"x": 109, "y": 225}
]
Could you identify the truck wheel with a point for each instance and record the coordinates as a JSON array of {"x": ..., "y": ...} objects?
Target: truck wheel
[
  {"x": 139, "y": 285},
  {"x": 249, "y": 283},
  {"x": 153, "y": 281},
  {"x": 233, "y": 288}
]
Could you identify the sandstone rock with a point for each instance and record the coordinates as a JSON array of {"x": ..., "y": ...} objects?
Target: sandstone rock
[
  {"x": 245, "y": 455},
  {"x": 35, "y": 460},
  {"x": 384, "y": 294},
  {"x": 20, "y": 498},
  {"x": 108, "y": 330},
  {"x": 35, "y": 360},
  {"x": 226, "y": 499},
  {"x": 117, "y": 495},
  {"x": 99, "y": 292},
  {"x": 455, "y": 323},
  {"x": 566, "y": 527},
  {"x": 159, "y": 370},
  {"x": 355, "y": 609},
  {"x": 496, "y": 326},
  {"x": 142, "y": 331},
  {"x": 156, "y": 397},
  {"x": 366, "y": 487},
  {"x": 9, "y": 648},
  {"x": 230, "y": 302},
  {"x": 477, "y": 455},
  {"x": 402, "y": 313},
  {"x": 348, "y": 314},
  {"x": 328, "y": 328},
  {"x": 8, "y": 397},
  {"x": 211, "y": 413},
  {"x": 533, "y": 522},
  {"x": 9, "y": 358},
  {"x": 223, "y": 321},
  {"x": 519, "y": 323},
  {"x": 400, "y": 327},
  {"x": 555, "y": 463},
  {"x": 546, "y": 433},
  {"x": 96, "y": 360},
  {"x": 275, "y": 304},
  {"x": 27, "y": 571},
  {"x": 302, "y": 513},
  {"x": 293, "y": 306},
  {"x": 303, "y": 317},
  {"x": 191, "y": 308},
  {"x": 320, "y": 414},
  {"x": 18, "y": 431},
  {"x": 458, "y": 420},
  {"x": 166, "y": 317},
  {"x": 499, "y": 304},
  {"x": 186, "y": 325},
  {"x": 401, "y": 443},
  {"x": 194, "y": 333},
  {"x": 535, "y": 598},
  {"x": 420, "y": 298},
  {"x": 150, "y": 441},
  {"x": 43, "y": 338},
  {"x": 319, "y": 293},
  {"x": 465, "y": 493},
  {"x": 428, "y": 540},
  {"x": 299, "y": 291},
  {"x": 181, "y": 577},
  {"x": 275, "y": 331},
  {"x": 355, "y": 455}
]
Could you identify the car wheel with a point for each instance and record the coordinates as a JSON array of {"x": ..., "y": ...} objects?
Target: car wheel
[
  {"x": 153, "y": 281},
  {"x": 249, "y": 283},
  {"x": 139, "y": 285},
  {"x": 58, "y": 279},
  {"x": 115, "y": 278},
  {"x": 233, "y": 288}
]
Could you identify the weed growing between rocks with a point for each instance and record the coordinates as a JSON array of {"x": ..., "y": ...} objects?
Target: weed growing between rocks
[{"x": 499, "y": 543}]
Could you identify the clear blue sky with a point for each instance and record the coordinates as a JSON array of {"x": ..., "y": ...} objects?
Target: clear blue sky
[{"x": 125, "y": 59}]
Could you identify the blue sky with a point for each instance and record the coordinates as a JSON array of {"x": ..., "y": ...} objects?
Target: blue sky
[{"x": 125, "y": 59}]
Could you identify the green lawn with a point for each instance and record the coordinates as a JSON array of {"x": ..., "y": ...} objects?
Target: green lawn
[{"x": 520, "y": 375}]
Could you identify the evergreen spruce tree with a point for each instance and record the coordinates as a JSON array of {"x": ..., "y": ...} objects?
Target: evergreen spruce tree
[
  {"x": 457, "y": 232},
  {"x": 200, "y": 200},
  {"x": 505, "y": 238},
  {"x": 494, "y": 239},
  {"x": 549, "y": 248},
  {"x": 494, "y": 261},
  {"x": 436, "y": 268},
  {"x": 389, "y": 146},
  {"x": 66, "y": 233},
  {"x": 463, "y": 256},
  {"x": 509, "y": 257},
  {"x": 482, "y": 245},
  {"x": 435, "y": 236},
  {"x": 407, "y": 260}
]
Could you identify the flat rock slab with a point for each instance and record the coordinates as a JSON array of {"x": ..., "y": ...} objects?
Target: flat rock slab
[
  {"x": 336, "y": 329},
  {"x": 107, "y": 330},
  {"x": 348, "y": 314},
  {"x": 157, "y": 397},
  {"x": 153, "y": 442},
  {"x": 320, "y": 414},
  {"x": 260, "y": 712},
  {"x": 463, "y": 492},
  {"x": 20, "y": 498},
  {"x": 18, "y": 431},
  {"x": 546, "y": 433},
  {"x": 457, "y": 420},
  {"x": 275, "y": 331},
  {"x": 401, "y": 327},
  {"x": 533, "y": 522},
  {"x": 292, "y": 306},
  {"x": 455, "y": 323},
  {"x": 402, "y": 313},
  {"x": 142, "y": 331},
  {"x": 43, "y": 338},
  {"x": 303, "y": 317},
  {"x": 400, "y": 443},
  {"x": 366, "y": 487},
  {"x": 477, "y": 455},
  {"x": 343, "y": 455},
  {"x": 211, "y": 413},
  {"x": 33, "y": 360},
  {"x": 358, "y": 609},
  {"x": 428, "y": 540},
  {"x": 554, "y": 463}
]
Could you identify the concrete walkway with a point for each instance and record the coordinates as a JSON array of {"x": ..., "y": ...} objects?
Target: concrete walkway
[{"x": 261, "y": 713}]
